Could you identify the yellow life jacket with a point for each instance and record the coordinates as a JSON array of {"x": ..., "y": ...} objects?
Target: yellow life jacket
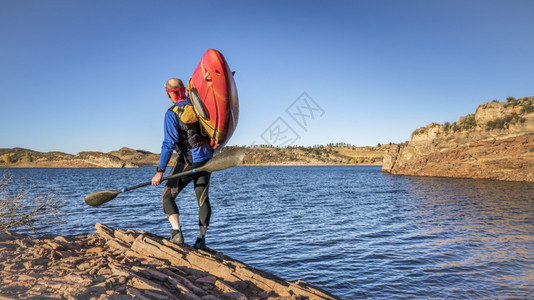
[{"x": 189, "y": 131}]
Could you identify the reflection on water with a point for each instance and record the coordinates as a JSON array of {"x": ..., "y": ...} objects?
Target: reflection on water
[{"x": 354, "y": 231}]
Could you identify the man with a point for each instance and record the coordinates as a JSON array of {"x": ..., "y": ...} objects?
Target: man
[{"x": 183, "y": 133}]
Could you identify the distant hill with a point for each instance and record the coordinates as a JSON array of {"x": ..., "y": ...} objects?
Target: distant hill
[
  {"x": 139, "y": 157},
  {"x": 496, "y": 142},
  {"x": 130, "y": 158},
  {"x": 26, "y": 158},
  {"x": 321, "y": 155}
]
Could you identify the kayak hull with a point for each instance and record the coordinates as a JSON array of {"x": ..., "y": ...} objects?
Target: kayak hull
[{"x": 213, "y": 93}]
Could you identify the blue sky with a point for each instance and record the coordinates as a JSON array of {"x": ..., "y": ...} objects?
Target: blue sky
[{"x": 88, "y": 75}]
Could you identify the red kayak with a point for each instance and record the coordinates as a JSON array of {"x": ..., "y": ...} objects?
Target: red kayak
[{"x": 213, "y": 94}]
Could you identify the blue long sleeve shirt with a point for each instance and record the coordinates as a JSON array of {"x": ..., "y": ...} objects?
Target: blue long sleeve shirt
[{"x": 171, "y": 137}]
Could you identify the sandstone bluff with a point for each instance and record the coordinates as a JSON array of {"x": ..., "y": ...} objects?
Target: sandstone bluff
[
  {"x": 125, "y": 264},
  {"x": 497, "y": 142}
]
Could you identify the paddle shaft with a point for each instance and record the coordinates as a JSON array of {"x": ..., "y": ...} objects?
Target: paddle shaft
[
  {"x": 192, "y": 171},
  {"x": 217, "y": 163}
]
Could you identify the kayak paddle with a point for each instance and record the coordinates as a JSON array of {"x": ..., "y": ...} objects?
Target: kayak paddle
[{"x": 219, "y": 162}]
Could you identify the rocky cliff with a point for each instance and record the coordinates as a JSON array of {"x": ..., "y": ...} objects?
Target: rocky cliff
[
  {"x": 496, "y": 142},
  {"x": 125, "y": 264}
]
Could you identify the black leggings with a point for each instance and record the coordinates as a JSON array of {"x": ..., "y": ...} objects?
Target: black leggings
[{"x": 173, "y": 187}]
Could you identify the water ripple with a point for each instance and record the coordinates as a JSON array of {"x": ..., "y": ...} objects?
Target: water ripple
[{"x": 354, "y": 231}]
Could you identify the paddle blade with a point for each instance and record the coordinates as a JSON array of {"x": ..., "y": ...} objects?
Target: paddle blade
[
  {"x": 98, "y": 198},
  {"x": 224, "y": 160}
]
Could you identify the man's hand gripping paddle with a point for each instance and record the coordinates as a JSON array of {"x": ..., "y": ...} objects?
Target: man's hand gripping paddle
[{"x": 219, "y": 162}]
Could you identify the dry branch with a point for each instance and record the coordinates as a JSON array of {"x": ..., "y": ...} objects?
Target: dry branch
[{"x": 21, "y": 207}]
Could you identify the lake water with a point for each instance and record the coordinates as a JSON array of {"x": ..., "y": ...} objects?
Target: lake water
[{"x": 353, "y": 231}]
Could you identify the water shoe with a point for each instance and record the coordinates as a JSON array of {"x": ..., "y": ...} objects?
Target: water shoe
[
  {"x": 177, "y": 237},
  {"x": 200, "y": 243}
]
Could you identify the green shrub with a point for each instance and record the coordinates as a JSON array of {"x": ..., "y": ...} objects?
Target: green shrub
[
  {"x": 511, "y": 101},
  {"x": 503, "y": 123},
  {"x": 446, "y": 126},
  {"x": 498, "y": 123},
  {"x": 469, "y": 122},
  {"x": 528, "y": 108},
  {"x": 419, "y": 131},
  {"x": 466, "y": 123},
  {"x": 26, "y": 158},
  {"x": 6, "y": 158}
]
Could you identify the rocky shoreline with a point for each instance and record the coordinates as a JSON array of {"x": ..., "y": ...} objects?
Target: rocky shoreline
[
  {"x": 510, "y": 159},
  {"x": 125, "y": 264},
  {"x": 496, "y": 142}
]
